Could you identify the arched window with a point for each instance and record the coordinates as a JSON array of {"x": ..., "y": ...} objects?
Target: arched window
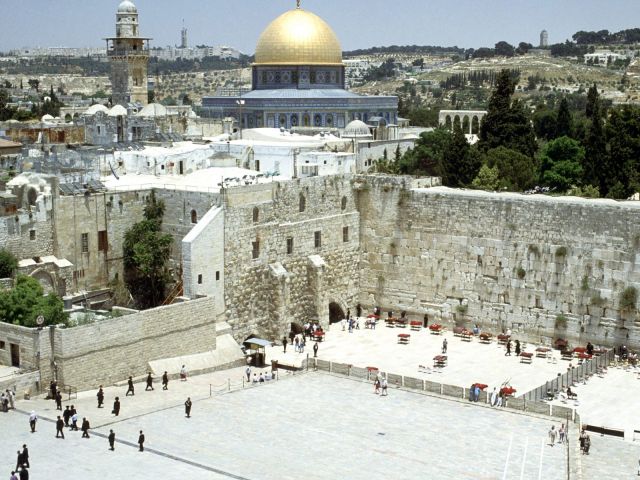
[
  {"x": 194, "y": 216},
  {"x": 344, "y": 203},
  {"x": 256, "y": 214},
  {"x": 303, "y": 202}
]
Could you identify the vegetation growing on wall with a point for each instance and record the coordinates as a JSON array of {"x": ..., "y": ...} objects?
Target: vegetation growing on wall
[{"x": 8, "y": 264}]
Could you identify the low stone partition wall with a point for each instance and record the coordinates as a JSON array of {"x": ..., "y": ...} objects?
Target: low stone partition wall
[{"x": 22, "y": 383}]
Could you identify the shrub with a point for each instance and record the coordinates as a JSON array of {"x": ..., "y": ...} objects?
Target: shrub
[
  {"x": 521, "y": 273},
  {"x": 561, "y": 321},
  {"x": 585, "y": 283},
  {"x": 628, "y": 299},
  {"x": 561, "y": 252},
  {"x": 462, "y": 309},
  {"x": 534, "y": 249},
  {"x": 597, "y": 300},
  {"x": 8, "y": 264}
]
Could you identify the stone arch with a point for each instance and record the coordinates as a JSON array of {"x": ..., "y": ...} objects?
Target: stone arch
[
  {"x": 296, "y": 328},
  {"x": 456, "y": 122},
  {"x": 194, "y": 216},
  {"x": 475, "y": 125},
  {"x": 67, "y": 118},
  {"x": 76, "y": 115},
  {"x": 466, "y": 124},
  {"x": 448, "y": 123},
  {"x": 337, "y": 312},
  {"x": 45, "y": 279}
]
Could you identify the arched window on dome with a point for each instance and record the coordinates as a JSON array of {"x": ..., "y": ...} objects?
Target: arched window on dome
[
  {"x": 194, "y": 216},
  {"x": 303, "y": 202}
]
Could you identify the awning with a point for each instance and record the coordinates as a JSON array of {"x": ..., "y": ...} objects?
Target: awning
[{"x": 258, "y": 341}]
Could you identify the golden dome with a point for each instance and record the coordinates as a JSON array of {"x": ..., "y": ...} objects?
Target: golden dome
[{"x": 298, "y": 37}]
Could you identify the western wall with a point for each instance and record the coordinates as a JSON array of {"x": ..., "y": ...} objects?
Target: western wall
[{"x": 545, "y": 267}]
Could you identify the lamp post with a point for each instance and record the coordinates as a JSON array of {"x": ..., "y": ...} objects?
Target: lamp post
[{"x": 241, "y": 105}]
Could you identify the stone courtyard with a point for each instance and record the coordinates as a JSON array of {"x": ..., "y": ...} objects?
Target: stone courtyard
[{"x": 314, "y": 425}]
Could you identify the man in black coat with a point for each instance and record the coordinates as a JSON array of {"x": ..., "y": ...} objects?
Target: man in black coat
[
  {"x": 187, "y": 407},
  {"x": 141, "y": 441},
  {"x": 165, "y": 381},
  {"x": 85, "y": 427},
  {"x": 116, "y": 407},
  {"x": 19, "y": 461},
  {"x": 130, "y": 389},
  {"x": 58, "y": 400},
  {"x": 25, "y": 456},
  {"x": 66, "y": 415},
  {"x": 112, "y": 440},
  {"x": 149, "y": 382},
  {"x": 100, "y": 396},
  {"x": 59, "y": 427}
]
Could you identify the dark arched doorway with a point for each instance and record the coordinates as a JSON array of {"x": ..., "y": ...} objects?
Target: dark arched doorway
[
  {"x": 336, "y": 314},
  {"x": 296, "y": 328}
]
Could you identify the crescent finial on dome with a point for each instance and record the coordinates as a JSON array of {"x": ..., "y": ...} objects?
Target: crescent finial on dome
[{"x": 298, "y": 3}]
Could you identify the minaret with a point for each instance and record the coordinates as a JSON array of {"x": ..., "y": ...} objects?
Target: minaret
[
  {"x": 183, "y": 36},
  {"x": 544, "y": 39},
  {"x": 129, "y": 57}
]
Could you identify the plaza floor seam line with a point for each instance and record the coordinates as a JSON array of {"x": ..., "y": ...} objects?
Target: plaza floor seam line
[{"x": 152, "y": 450}]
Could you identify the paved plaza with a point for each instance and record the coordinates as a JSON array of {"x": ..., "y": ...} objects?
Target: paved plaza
[
  {"x": 312, "y": 425},
  {"x": 468, "y": 362}
]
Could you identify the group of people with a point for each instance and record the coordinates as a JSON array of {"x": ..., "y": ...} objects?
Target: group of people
[
  {"x": 8, "y": 400},
  {"x": 267, "y": 376},
  {"x": 380, "y": 386},
  {"x": 557, "y": 436},
  {"x": 497, "y": 398},
  {"x": 21, "y": 471}
]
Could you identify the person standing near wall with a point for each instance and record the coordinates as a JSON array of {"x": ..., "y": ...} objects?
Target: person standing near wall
[
  {"x": 165, "y": 381},
  {"x": 100, "y": 396},
  {"x": 183, "y": 374},
  {"x": 33, "y": 418}
]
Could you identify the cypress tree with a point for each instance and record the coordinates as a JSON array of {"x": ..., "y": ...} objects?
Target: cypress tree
[{"x": 564, "y": 122}]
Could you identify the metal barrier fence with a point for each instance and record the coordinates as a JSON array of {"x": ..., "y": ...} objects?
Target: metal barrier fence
[
  {"x": 454, "y": 391},
  {"x": 572, "y": 376}
]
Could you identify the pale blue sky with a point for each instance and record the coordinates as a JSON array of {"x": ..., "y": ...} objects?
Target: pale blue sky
[{"x": 358, "y": 23}]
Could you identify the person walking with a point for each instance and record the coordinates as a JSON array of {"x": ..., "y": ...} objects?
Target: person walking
[
  {"x": 444, "y": 346},
  {"x": 284, "y": 344},
  {"x": 112, "y": 440},
  {"x": 384, "y": 386},
  {"x": 11, "y": 396},
  {"x": 508, "y": 352},
  {"x": 59, "y": 427},
  {"x": 100, "y": 396},
  {"x": 149, "y": 383},
  {"x": 130, "y": 389},
  {"x": 66, "y": 415},
  {"x": 296, "y": 342},
  {"x": 141, "y": 441},
  {"x": 248, "y": 373},
  {"x": 518, "y": 348},
  {"x": 315, "y": 350},
  {"x": 116, "y": 407},
  {"x": 58, "y": 400},
  {"x": 74, "y": 422},
  {"x": 561, "y": 434},
  {"x": 552, "y": 435},
  {"x": 19, "y": 460},
  {"x": 85, "y": 427},
  {"x": 25, "y": 456},
  {"x": 376, "y": 385},
  {"x": 53, "y": 388},
  {"x": 24, "y": 473},
  {"x": 187, "y": 407},
  {"x": 165, "y": 381},
  {"x": 183, "y": 374},
  {"x": 33, "y": 418}
]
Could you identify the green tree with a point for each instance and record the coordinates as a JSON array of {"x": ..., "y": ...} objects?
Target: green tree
[
  {"x": 8, "y": 264},
  {"x": 26, "y": 301},
  {"x": 564, "y": 120},
  {"x": 544, "y": 123},
  {"x": 146, "y": 251},
  {"x": 516, "y": 172},
  {"x": 461, "y": 163},
  {"x": 488, "y": 178},
  {"x": 427, "y": 157},
  {"x": 595, "y": 166},
  {"x": 622, "y": 165},
  {"x": 561, "y": 163},
  {"x": 507, "y": 124},
  {"x": 504, "y": 49}
]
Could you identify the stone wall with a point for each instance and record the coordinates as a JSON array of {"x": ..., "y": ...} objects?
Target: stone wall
[
  {"x": 546, "y": 267},
  {"x": 113, "y": 212},
  {"x": 263, "y": 295},
  {"x": 111, "y": 350}
]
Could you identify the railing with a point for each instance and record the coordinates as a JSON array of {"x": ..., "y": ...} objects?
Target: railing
[{"x": 574, "y": 375}]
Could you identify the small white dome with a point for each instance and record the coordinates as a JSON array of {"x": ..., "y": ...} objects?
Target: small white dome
[
  {"x": 118, "y": 111},
  {"x": 93, "y": 109},
  {"x": 153, "y": 110},
  {"x": 47, "y": 118},
  {"x": 356, "y": 128},
  {"x": 127, "y": 7}
]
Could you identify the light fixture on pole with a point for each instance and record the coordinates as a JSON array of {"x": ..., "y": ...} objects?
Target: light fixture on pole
[{"x": 241, "y": 104}]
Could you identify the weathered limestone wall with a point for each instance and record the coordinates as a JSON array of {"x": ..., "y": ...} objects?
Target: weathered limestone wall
[
  {"x": 264, "y": 295},
  {"x": 111, "y": 350},
  {"x": 17, "y": 237},
  {"x": 113, "y": 212},
  {"x": 34, "y": 346},
  {"x": 501, "y": 260}
]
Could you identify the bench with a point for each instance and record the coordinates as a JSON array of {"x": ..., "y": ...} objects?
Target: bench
[
  {"x": 440, "y": 361},
  {"x": 526, "y": 357},
  {"x": 543, "y": 352},
  {"x": 485, "y": 338}
]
